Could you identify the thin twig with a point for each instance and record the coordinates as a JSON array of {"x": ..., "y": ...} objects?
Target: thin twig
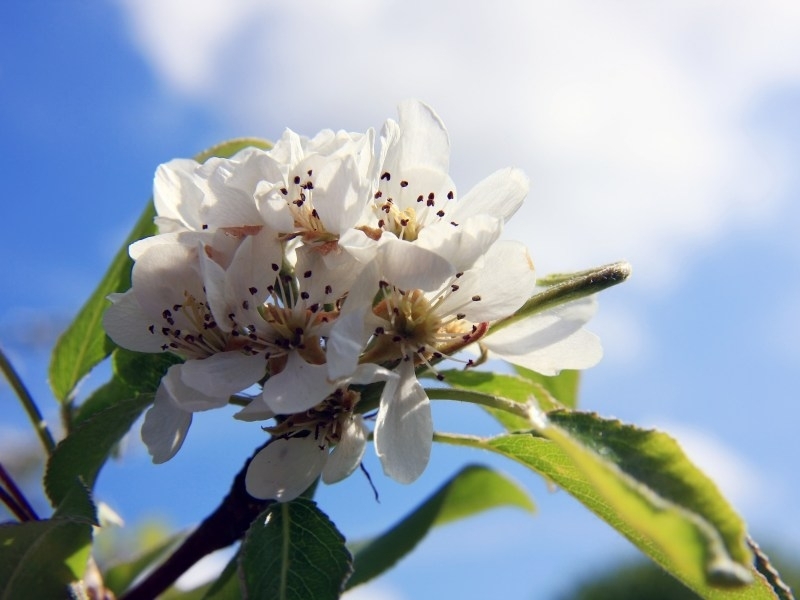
[
  {"x": 28, "y": 403},
  {"x": 13, "y": 507},
  {"x": 17, "y": 497}
]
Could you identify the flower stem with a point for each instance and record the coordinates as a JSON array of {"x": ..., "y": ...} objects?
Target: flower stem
[
  {"x": 28, "y": 404},
  {"x": 14, "y": 499},
  {"x": 517, "y": 408},
  {"x": 458, "y": 439},
  {"x": 582, "y": 284}
]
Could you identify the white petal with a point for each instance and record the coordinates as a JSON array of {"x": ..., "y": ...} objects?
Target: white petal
[
  {"x": 349, "y": 332},
  {"x": 285, "y": 468},
  {"x": 257, "y": 410},
  {"x": 186, "y": 397},
  {"x": 176, "y": 193},
  {"x": 347, "y": 454},
  {"x": 408, "y": 266},
  {"x": 423, "y": 139},
  {"x": 464, "y": 244},
  {"x": 164, "y": 274},
  {"x": 500, "y": 195},
  {"x": 224, "y": 373},
  {"x": 165, "y": 426},
  {"x": 127, "y": 324},
  {"x": 504, "y": 281},
  {"x": 550, "y": 341},
  {"x": 298, "y": 387},
  {"x": 404, "y": 428}
]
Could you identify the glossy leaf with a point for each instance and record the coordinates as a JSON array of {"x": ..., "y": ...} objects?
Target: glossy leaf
[
  {"x": 641, "y": 483},
  {"x": 563, "y": 387},
  {"x": 471, "y": 491},
  {"x": 40, "y": 559},
  {"x": 85, "y": 450},
  {"x": 84, "y": 344},
  {"x": 292, "y": 551}
]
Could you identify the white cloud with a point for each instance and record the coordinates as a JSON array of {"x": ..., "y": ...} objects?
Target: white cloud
[
  {"x": 207, "y": 568},
  {"x": 632, "y": 119},
  {"x": 373, "y": 591}
]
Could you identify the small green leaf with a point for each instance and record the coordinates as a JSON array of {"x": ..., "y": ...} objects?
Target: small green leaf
[
  {"x": 472, "y": 490},
  {"x": 85, "y": 450},
  {"x": 84, "y": 344},
  {"x": 39, "y": 559},
  {"x": 676, "y": 515},
  {"x": 293, "y": 551},
  {"x": 563, "y": 387}
]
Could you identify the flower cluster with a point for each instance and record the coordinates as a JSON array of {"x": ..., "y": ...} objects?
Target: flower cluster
[{"x": 321, "y": 266}]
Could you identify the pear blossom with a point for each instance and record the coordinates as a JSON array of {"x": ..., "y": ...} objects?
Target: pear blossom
[
  {"x": 167, "y": 310},
  {"x": 322, "y": 265},
  {"x": 327, "y": 440}
]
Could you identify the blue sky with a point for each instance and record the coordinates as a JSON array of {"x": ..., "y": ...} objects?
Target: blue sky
[{"x": 667, "y": 136}]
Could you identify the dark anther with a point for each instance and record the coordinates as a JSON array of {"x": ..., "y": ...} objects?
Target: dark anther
[
  {"x": 386, "y": 176},
  {"x": 403, "y": 184},
  {"x": 307, "y": 274},
  {"x": 253, "y": 290},
  {"x": 297, "y": 179},
  {"x": 476, "y": 298}
]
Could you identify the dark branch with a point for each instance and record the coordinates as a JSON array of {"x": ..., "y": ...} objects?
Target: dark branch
[{"x": 225, "y": 526}]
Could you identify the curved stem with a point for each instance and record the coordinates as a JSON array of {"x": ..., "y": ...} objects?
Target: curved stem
[
  {"x": 517, "y": 408},
  {"x": 28, "y": 403}
]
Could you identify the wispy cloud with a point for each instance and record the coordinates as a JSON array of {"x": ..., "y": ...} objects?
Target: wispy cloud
[{"x": 633, "y": 120}]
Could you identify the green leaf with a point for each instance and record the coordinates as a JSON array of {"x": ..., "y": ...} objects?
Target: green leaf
[
  {"x": 472, "y": 490},
  {"x": 84, "y": 344},
  {"x": 563, "y": 387},
  {"x": 39, "y": 559},
  {"x": 85, "y": 450},
  {"x": 106, "y": 396},
  {"x": 293, "y": 551},
  {"x": 77, "y": 505},
  {"x": 142, "y": 372},
  {"x": 641, "y": 483}
]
